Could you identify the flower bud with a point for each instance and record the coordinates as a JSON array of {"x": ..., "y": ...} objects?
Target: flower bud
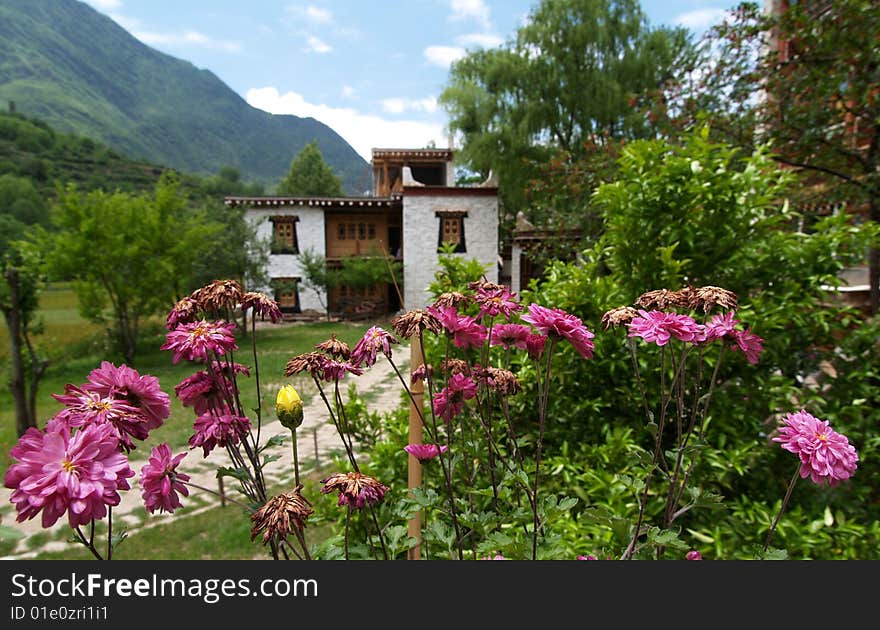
[{"x": 289, "y": 407}]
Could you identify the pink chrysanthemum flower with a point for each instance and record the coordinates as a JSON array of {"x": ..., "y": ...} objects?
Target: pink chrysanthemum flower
[
  {"x": 496, "y": 301},
  {"x": 510, "y": 336},
  {"x": 750, "y": 344},
  {"x": 587, "y": 557},
  {"x": 449, "y": 402},
  {"x": 693, "y": 555},
  {"x": 375, "y": 340},
  {"x": 425, "y": 452},
  {"x": 202, "y": 392},
  {"x": 161, "y": 483},
  {"x": 57, "y": 472},
  {"x": 355, "y": 489},
  {"x": 535, "y": 343},
  {"x": 558, "y": 324},
  {"x": 465, "y": 331},
  {"x": 228, "y": 369},
  {"x": 721, "y": 326},
  {"x": 263, "y": 306},
  {"x": 826, "y": 456},
  {"x": 141, "y": 392},
  {"x": 659, "y": 327},
  {"x": 218, "y": 429},
  {"x": 83, "y": 407},
  {"x": 196, "y": 340}
]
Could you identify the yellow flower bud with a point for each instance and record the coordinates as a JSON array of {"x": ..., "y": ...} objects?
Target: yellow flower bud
[{"x": 289, "y": 407}]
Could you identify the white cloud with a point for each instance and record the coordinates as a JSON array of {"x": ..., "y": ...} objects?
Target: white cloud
[
  {"x": 471, "y": 10},
  {"x": 400, "y": 105},
  {"x": 348, "y": 91},
  {"x": 481, "y": 40},
  {"x": 319, "y": 15},
  {"x": 443, "y": 56},
  {"x": 186, "y": 38},
  {"x": 364, "y": 132},
  {"x": 105, "y": 5},
  {"x": 700, "y": 18},
  {"x": 316, "y": 44}
]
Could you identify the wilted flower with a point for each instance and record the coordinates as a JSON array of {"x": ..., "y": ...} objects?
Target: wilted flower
[
  {"x": 661, "y": 299},
  {"x": 219, "y": 295},
  {"x": 660, "y": 327},
  {"x": 280, "y": 515},
  {"x": 289, "y": 407},
  {"x": 141, "y": 392},
  {"x": 510, "y": 336},
  {"x": 332, "y": 369},
  {"x": 194, "y": 341},
  {"x": 721, "y": 326},
  {"x": 425, "y": 452},
  {"x": 619, "y": 316},
  {"x": 58, "y": 472},
  {"x": 376, "y": 339},
  {"x": 415, "y": 322},
  {"x": 262, "y": 305},
  {"x": 355, "y": 489},
  {"x": 502, "y": 381},
  {"x": 556, "y": 323},
  {"x": 184, "y": 311},
  {"x": 455, "y": 366},
  {"x": 160, "y": 482},
  {"x": 451, "y": 298},
  {"x": 218, "y": 429},
  {"x": 335, "y": 347},
  {"x": 709, "y": 297},
  {"x": 311, "y": 362},
  {"x": 693, "y": 555},
  {"x": 202, "y": 392},
  {"x": 750, "y": 344},
  {"x": 826, "y": 456},
  {"x": 421, "y": 373}
]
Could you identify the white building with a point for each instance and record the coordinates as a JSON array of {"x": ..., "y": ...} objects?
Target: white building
[{"x": 414, "y": 208}]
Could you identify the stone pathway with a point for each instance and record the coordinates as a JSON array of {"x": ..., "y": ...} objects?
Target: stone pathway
[{"x": 378, "y": 385}]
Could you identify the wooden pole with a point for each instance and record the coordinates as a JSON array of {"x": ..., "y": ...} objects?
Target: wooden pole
[{"x": 414, "y": 528}]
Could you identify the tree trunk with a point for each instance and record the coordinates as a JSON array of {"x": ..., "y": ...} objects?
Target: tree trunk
[{"x": 14, "y": 324}]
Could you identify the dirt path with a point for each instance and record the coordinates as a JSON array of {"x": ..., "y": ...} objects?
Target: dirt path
[{"x": 317, "y": 436}]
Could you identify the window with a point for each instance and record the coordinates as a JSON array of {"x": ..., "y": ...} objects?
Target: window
[
  {"x": 452, "y": 230},
  {"x": 287, "y": 293},
  {"x": 284, "y": 239}
]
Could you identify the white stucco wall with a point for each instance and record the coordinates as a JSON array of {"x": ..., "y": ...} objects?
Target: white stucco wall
[
  {"x": 420, "y": 233},
  {"x": 310, "y": 234},
  {"x": 516, "y": 253}
]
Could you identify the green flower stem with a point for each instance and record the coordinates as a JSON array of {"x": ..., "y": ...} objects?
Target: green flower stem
[
  {"x": 542, "y": 419},
  {"x": 295, "y": 457},
  {"x": 89, "y": 544},
  {"x": 791, "y": 484},
  {"x": 216, "y": 494}
]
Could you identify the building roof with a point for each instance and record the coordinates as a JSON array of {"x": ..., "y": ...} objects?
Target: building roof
[
  {"x": 413, "y": 154},
  {"x": 326, "y": 202}
]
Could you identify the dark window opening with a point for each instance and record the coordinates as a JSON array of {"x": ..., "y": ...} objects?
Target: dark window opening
[
  {"x": 286, "y": 293},
  {"x": 284, "y": 240},
  {"x": 452, "y": 230}
]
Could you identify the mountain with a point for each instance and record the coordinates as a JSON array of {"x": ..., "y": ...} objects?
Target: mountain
[{"x": 67, "y": 64}]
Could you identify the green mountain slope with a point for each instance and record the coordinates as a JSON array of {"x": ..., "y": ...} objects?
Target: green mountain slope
[{"x": 63, "y": 62}]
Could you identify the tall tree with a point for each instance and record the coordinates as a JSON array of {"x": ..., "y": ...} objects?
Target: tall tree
[
  {"x": 574, "y": 74},
  {"x": 310, "y": 175},
  {"x": 805, "y": 77}
]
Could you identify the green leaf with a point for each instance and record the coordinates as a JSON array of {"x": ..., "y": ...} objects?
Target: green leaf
[
  {"x": 238, "y": 473},
  {"x": 275, "y": 440},
  {"x": 703, "y": 538}
]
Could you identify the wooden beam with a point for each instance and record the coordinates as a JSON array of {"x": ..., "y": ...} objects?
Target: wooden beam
[{"x": 414, "y": 527}]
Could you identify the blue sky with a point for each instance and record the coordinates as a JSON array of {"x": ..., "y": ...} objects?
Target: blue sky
[{"x": 371, "y": 70}]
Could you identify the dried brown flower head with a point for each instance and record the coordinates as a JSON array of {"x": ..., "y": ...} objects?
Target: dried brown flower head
[
  {"x": 451, "y": 298},
  {"x": 502, "y": 381},
  {"x": 485, "y": 285},
  {"x": 280, "y": 515},
  {"x": 262, "y": 305},
  {"x": 184, "y": 311},
  {"x": 311, "y": 362},
  {"x": 708, "y": 298},
  {"x": 620, "y": 316},
  {"x": 413, "y": 322},
  {"x": 659, "y": 300},
  {"x": 219, "y": 295},
  {"x": 455, "y": 366},
  {"x": 355, "y": 489},
  {"x": 335, "y": 347}
]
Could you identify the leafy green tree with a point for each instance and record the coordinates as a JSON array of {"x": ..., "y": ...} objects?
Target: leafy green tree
[
  {"x": 319, "y": 277},
  {"x": 310, "y": 175},
  {"x": 575, "y": 73},
  {"x": 806, "y": 80},
  {"x": 20, "y": 199},
  {"x": 129, "y": 256}
]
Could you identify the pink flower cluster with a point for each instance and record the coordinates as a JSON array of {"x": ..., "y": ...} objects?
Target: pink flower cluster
[
  {"x": 826, "y": 456},
  {"x": 465, "y": 331},
  {"x": 558, "y": 324}
]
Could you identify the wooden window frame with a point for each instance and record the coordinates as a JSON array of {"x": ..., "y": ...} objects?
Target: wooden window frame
[
  {"x": 284, "y": 248},
  {"x": 451, "y": 215}
]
